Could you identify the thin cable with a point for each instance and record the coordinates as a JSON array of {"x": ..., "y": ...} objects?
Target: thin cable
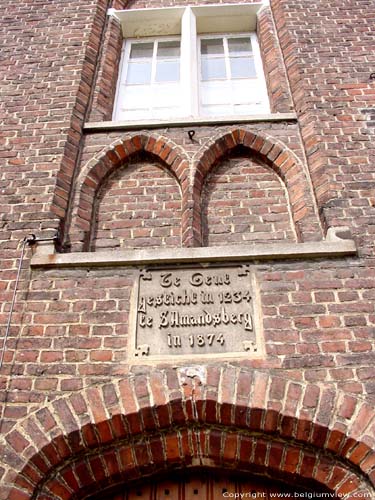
[{"x": 25, "y": 241}]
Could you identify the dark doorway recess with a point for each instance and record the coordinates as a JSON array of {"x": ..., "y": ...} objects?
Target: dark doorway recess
[{"x": 204, "y": 484}]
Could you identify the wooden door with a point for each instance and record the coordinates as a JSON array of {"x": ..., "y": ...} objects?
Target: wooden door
[{"x": 202, "y": 485}]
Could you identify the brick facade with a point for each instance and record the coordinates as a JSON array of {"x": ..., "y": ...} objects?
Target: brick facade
[
  {"x": 139, "y": 206},
  {"x": 76, "y": 416}
]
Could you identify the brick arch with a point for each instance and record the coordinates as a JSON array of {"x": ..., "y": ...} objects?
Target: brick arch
[
  {"x": 98, "y": 169},
  {"x": 276, "y": 155},
  {"x": 138, "y": 426},
  {"x": 126, "y": 462}
]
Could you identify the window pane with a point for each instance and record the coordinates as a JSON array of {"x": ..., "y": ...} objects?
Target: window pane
[
  {"x": 169, "y": 49},
  {"x": 213, "y": 69},
  {"x": 239, "y": 45},
  {"x": 242, "y": 67},
  {"x": 212, "y": 46},
  {"x": 138, "y": 73},
  {"x": 168, "y": 61},
  {"x": 167, "y": 71},
  {"x": 141, "y": 50}
]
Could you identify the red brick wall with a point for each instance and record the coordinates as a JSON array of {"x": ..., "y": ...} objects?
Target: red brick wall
[
  {"x": 139, "y": 206},
  {"x": 244, "y": 201},
  {"x": 303, "y": 411},
  {"x": 328, "y": 51}
]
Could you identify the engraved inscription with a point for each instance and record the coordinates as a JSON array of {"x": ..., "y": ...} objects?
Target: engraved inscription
[{"x": 196, "y": 311}]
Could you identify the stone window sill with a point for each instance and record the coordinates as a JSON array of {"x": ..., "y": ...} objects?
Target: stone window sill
[
  {"x": 186, "y": 122},
  {"x": 338, "y": 243}
]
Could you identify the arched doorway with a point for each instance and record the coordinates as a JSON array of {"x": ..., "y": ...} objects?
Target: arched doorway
[
  {"x": 203, "y": 484},
  {"x": 97, "y": 442}
]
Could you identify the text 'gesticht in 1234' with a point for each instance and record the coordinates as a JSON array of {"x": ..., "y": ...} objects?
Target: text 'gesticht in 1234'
[{"x": 196, "y": 311}]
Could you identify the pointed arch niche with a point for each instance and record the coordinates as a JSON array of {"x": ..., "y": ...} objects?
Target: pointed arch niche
[
  {"x": 138, "y": 206},
  {"x": 131, "y": 196},
  {"x": 245, "y": 201},
  {"x": 251, "y": 188}
]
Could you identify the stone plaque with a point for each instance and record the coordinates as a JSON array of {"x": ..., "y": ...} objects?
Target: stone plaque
[{"x": 190, "y": 312}]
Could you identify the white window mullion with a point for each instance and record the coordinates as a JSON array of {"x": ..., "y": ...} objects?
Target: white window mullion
[
  {"x": 154, "y": 59},
  {"x": 228, "y": 72},
  {"x": 189, "y": 63},
  {"x": 153, "y": 73},
  {"x": 227, "y": 58}
]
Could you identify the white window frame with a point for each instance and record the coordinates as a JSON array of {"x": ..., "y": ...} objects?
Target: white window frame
[
  {"x": 190, "y": 22},
  {"x": 259, "y": 73},
  {"x": 125, "y": 57},
  {"x": 155, "y": 41},
  {"x": 224, "y": 37}
]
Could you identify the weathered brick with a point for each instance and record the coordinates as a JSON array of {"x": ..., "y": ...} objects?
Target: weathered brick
[{"x": 254, "y": 183}]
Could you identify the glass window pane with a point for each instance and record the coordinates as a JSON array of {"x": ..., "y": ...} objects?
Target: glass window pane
[
  {"x": 213, "y": 69},
  {"x": 242, "y": 67},
  {"x": 141, "y": 50},
  {"x": 138, "y": 73},
  {"x": 167, "y": 71},
  {"x": 169, "y": 49},
  {"x": 212, "y": 46},
  {"x": 239, "y": 45}
]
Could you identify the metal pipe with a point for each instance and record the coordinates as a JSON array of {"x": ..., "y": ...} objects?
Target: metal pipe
[
  {"x": 31, "y": 240},
  {"x": 25, "y": 242}
]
